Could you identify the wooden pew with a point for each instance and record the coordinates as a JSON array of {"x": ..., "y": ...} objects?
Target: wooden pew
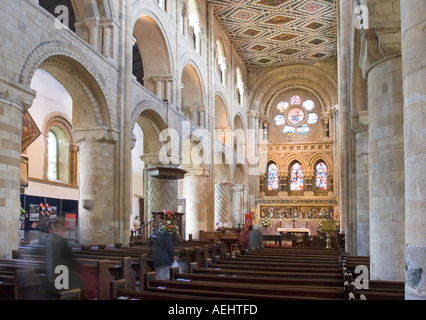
[
  {"x": 120, "y": 267},
  {"x": 99, "y": 268},
  {"x": 245, "y": 290},
  {"x": 254, "y": 278}
]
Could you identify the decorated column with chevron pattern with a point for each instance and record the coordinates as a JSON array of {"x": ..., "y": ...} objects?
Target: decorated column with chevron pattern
[
  {"x": 223, "y": 202},
  {"x": 162, "y": 195}
]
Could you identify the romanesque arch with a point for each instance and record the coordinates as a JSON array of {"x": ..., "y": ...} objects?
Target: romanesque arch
[{"x": 155, "y": 67}]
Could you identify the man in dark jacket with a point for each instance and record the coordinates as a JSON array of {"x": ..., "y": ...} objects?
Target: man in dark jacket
[{"x": 163, "y": 255}]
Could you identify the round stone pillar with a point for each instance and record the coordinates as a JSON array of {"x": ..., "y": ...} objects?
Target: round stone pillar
[
  {"x": 14, "y": 100},
  {"x": 96, "y": 205},
  {"x": 223, "y": 201},
  {"x": 362, "y": 195},
  {"x": 360, "y": 130},
  {"x": 196, "y": 186},
  {"x": 386, "y": 171},
  {"x": 239, "y": 204},
  {"x": 413, "y": 20}
]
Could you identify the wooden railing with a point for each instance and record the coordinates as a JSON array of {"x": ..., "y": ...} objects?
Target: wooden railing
[{"x": 142, "y": 234}]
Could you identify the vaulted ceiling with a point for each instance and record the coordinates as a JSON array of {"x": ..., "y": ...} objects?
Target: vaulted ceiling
[{"x": 269, "y": 33}]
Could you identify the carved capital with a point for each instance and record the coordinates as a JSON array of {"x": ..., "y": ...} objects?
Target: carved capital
[
  {"x": 16, "y": 95},
  {"x": 378, "y": 45}
]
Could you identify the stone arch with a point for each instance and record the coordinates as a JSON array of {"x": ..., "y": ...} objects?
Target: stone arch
[
  {"x": 81, "y": 79},
  {"x": 222, "y": 118},
  {"x": 240, "y": 174},
  {"x": 155, "y": 52},
  {"x": 222, "y": 166},
  {"x": 152, "y": 124},
  {"x": 315, "y": 159},
  {"x": 272, "y": 158},
  {"x": 309, "y": 77},
  {"x": 220, "y": 61},
  {"x": 193, "y": 91},
  {"x": 289, "y": 161},
  {"x": 68, "y": 147}
]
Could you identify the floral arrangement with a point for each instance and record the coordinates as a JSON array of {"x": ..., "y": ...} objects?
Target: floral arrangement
[
  {"x": 266, "y": 222},
  {"x": 168, "y": 224}
]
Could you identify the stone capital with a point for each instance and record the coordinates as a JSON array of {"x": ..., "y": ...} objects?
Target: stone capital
[
  {"x": 98, "y": 134},
  {"x": 91, "y": 22},
  {"x": 16, "y": 95},
  {"x": 225, "y": 181},
  {"x": 197, "y": 172},
  {"x": 378, "y": 45},
  {"x": 253, "y": 114}
]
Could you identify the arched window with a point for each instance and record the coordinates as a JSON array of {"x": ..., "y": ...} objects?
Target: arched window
[
  {"x": 273, "y": 180},
  {"x": 321, "y": 176},
  {"x": 239, "y": 86},
  {"x": 296, "y": 177},
  {"x": 221, "y": 62},
  {"x": 52, "y": 156}
]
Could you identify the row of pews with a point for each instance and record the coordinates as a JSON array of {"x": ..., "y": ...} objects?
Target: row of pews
[
  {"x": 358, "y": 286},
  {"x": 207, "y": 271}
]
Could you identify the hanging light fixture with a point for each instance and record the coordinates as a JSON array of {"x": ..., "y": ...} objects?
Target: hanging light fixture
[{"x": 168, "y": 173}]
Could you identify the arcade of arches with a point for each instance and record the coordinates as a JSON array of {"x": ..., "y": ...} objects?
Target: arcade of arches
[{"x": 292, "y": 110}]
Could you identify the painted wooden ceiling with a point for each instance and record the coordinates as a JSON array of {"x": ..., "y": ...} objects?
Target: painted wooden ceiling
[{"x": 269, "y": 33}]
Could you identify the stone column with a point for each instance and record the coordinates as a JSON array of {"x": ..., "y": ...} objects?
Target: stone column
[
  {"x": 413, "y": 19},
  {"x": 196, "y": 186},
  {"x": 92, "y": 24},
  {"x": 238, "y": 205},
  {"x": 360, "y": 129},
  {"x": 97, "y": 193},
  {"x": 158, "y": 86},
  {"x": 223, "y": 201},
  {"x": 386, "y": 153},
  {"x": 106, "y": 37},
  {"x": 14, "y": 100}
]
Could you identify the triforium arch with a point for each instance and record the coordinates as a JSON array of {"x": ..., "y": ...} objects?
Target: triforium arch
[
  {"x": 222, "y": 120},
  {"x": 152, "y": 42},
  {"x": 193, "y": 93}
]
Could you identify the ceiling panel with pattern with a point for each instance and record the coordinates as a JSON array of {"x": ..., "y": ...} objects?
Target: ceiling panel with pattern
[{"x": 276, "y": 32}]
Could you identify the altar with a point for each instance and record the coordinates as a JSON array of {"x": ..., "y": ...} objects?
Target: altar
[{"x": 293, "y": 231}]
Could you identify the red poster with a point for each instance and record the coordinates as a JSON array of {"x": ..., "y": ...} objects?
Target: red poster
[
  {"x": 70, "y": 220},
  {"x": 248, "y": 221}
]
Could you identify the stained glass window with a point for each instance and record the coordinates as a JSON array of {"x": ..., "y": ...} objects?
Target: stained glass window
[
  {"x": 289, "y": 130},
  {"x": 296, "y": 177},
  {"x": 312, "y": 118},
  {"x": 321, "y": 176},
  {"x": 295, "y": 100},
  {"x": 309, "y": 105},
  {"x": 282, "y": 106},
  {"x": 279, "y": 120},
  {"x": 296, "y": 116},
  {"x": 273, "y": 181},
  {"x": 52, "y": 156},
  {"x": 303, "y": 130}
]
